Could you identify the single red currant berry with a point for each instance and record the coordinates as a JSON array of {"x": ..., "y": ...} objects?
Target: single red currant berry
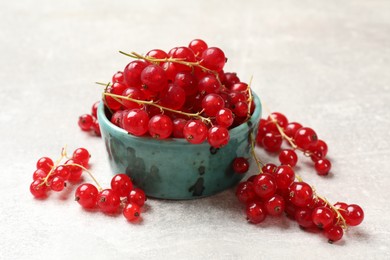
[
  {"x": 82, "y": 155},
  {"x": 245, "y": 192},
  {"x": 275, "y": 205},
  {"x": 39, "y": 174},
  {"x": 209, "y": 84},
  {"x": 301, "y": 194},
  {"x": 62, "y": 171},
  {"x": 178, "y": 126},
  {"x": 45, "y": 164},
  {"x": 322, "y": 166},
  {"x": 264, "y": 185},
  {"x": 241, "y": 109},
  {"x": 38, "y": 189},
  {"x": 218, "y": 136},
  {"x": 57, "y": 183},
  {"x": 240, "y": 165},
  {"x": 108, "y": 201},
  {"x": 133, "y": 93},
  {"x": 224, "y": 117},
  {"x": 213, "y": 58},
  {"x": 116, "y": 118},
  {"x": 252, "y": 178},
  {"x": 319, "y": 151},
  {"x": 230, "y": 79},
  {"x": 195, "y": 131},
  {"x": 239, "y": 87},
  {"x": 255, "y": 212},
  {"x": 121, "y": 184},
  {"x": 284, "y": 176},
  {"x": 334, "y": 233},
  {"x": 132, "y": 73},
  {"x": 279, "y": 118},
  {"x": 305, "y": 138},
  {"x": 354, "y": 215},
  {"x": 157, "y": 54},
  {"x": 118, "y": 77},
  {"x": 184, "y": 54},
  {"x": 212, "y": 103},
  {"x": 131, "y": 211},
  {"x": 303, "y": 216},
  {"x": 198, "y": 46},
  {"x": 342, "y": 208},
  {"x": 323, "y": 217},
  {"x": 137, "y": 196},
  {"x": 269, "y": 168},
  {"x": 135, "y": 121},
  {"x": 75, "y": 171},
  {"x": 94, "y": 108},
  {"x": 291, "y": 128},
  {"x": 153, "y": 78},
  {"x": 272, "y": 142},
  {"x": 96, "y": 128},
  {"x": 160, "y": 126},
  {"x": 187, "y": 81},
  {"x": 86, "y": 195},
  {"x": 173, "y": 97},
  {"x": 288, "y": 157},
  {"x": 85, "y": 122}
]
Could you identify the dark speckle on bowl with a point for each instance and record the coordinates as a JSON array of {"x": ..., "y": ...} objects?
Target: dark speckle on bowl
[
  {"x": 213, "y": 150},
  {"x": 249, "y": 123},
  {"x": 198, "y": 188},
  {"x": 201, "y": 170}
]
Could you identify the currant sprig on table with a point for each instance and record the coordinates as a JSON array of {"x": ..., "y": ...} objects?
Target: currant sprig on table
[
  {"x": 53, "y": 176},
  {"x": 278, "y": 189}
]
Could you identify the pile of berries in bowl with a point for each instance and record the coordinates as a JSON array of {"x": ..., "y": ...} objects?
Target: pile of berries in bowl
[{"x": 177, "y": 124}]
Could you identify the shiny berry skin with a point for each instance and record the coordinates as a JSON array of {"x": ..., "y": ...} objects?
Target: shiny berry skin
[
  {"x": 342, "y": 208},
  {"x": 85, "y": 122},
  {"x": 121, "y": 184},
  {"x": 213, "y": 58},
  {"x": 82, "y": 155},
  {"x": 275, "y": 205},
  {"x": 94, "y": 109},
  {"x": 62, "y": 171},
  {"x": 195, "y": 131},
  {"x": 240, "y": 165},
  {"x": 160, "y": 126},
  {"x": 212, "y": 103},
  {"x": 198, "y": 46},
  {"x": 170, "y": 70},
  {"x": 291, "y": 128},
  {"x": 39, "y": 174},
  {"x": 131, "y": 211},
  {"x": 96, "y": 128},
  {"x": 239, "y": 87},
  {"x": 322, "y": 166},
  {"x": 272, "y": 142},
  {"x": 323, "y": 217},
  {"x": 288, "y": 157},
  {"x": 173, "y": 97},
  {"x": 137, "y": 196},
  {"x": 153, "y": 78},
  {"x": 224, "y": 117},
  {"x": 157, "y": 54},
  {"x": 284, "y": 176},
  {"x": 255, "y": 212},
  {"x": 184, "y": 54},
  {"x": 132, "y": 73},
  {"x": 57, "y": 183},
  {"x": 74, "y": 170},
  {"x": 135, "y": 121},
  {"x": 303, "y": 216},
  {"x": 241, "y": 109},
  {"x": 133, "y": 93},
  {"x": 86, "y": 195},
  {"x": 280, "y": 119},
  {"x": 301, "y": 194},
  {"x": 305, "y": 138},
  {"x": 38, "y": 190},
  {"x": 318, "y": 151},
  {"x": 118, "y": 77},
  {"x": 245, "y": 192},
  {"x": 209, "y": 84},
  {"x": 218, "y": 136},
  {"x": 108, "y": 201},
  {"x": 116, "y": 118},
  {"x": 334, "y": 233},
  {"x": 187, "y": 81},
  {"x": 354, "y": 215},
  {"x": 269, "y": 168},
  {"x": 178, "y": 126},
  {"x": 264, "y": 185},
  {"x": 45, "y": 164}
]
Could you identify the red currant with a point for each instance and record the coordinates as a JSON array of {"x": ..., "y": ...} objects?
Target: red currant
[
  {"x": 131, "y": 211},
  {"x": 135, "y": 121},
  {"x": 132, "y": 73},
  {"x": 85, "y": 122},
  {"x": 354, "y": 215},
  {"x": 213, "y": 58},
  {"x": 160, "y": 126},
  {"x": 82, "y": 155},
  {"x": 284, "y": 176},
  {"x": 240, "y": 165},
  {"x": 323, "y": 217},
  {"x": 301, "y": 194},
  {"x": 334, "y": 233},
  {"x": 212, "y": 103},
  {"x": 279, "y": 118},
  {"x": 245, "y": 192},
  {"x": 218, "y": 136},
  {"x": 157, "y": 54},
  {"x": 322, "y": 166},
  {"x": 264, "y": 185},
  {"x": 137, "y": 196},
  {"x": 86, "y": 195},
  {"x": 57, "y": 183},
  {"x": 269, "y": 168},
  {"x": 39, "y": 174},
  {"x": 174, "y": 97},
  {"x": 288, "y": 157},
  {"x": 303, "y": 216},
  {"x": 272, "y": 142},
  {"x": 319, "y": 151},
  {"x": 178, "y": 126},
  {"x": 305, "y": 138},
  {"x": 224, "y": 117},
  {"x": 291, "y": 128},
  {"x": 121, "y": 184},
  {"x": 38, "y": 189},
  {"x": 195, "y": 131},
  {"x": 255, "y": 212},
  {"x": 198, "y": 46},
  {"x": 108, "y": 201},
  {"x": 153, "y": 78},
  {"x": 275, "y": 205},
  {"x": 45, "y": 164},
  {"x": 209, "y": 84}
]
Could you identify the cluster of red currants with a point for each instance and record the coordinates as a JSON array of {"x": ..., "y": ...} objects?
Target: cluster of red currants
[
  {"x": 89, "y": 122},
  {"x": 276, "y": 128},
  {"x": 181, "y": 94},
  {"x": 121, "y": 193},
  {"x": 53, "y": 176}
]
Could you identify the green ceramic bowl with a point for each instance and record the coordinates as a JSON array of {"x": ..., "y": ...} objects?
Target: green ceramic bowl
[{"x": 174, "y": 168}]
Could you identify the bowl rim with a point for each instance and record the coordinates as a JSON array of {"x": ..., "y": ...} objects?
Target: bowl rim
[{"x": 182, "y": 141}]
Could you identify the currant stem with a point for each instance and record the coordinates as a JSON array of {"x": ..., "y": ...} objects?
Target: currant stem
[
  {"x": 57, "y": 162},
  {"x": 250, "y": 98},
  {"x": 162, "y": 108},
  {"x": 89, "y": 173},
  {"x": 337, "y": 211},
  {"x": 259, "y": 163}
]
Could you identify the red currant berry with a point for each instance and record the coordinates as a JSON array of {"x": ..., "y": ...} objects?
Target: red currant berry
[
  {"x": 354, "y": 215},
  {"x": 160, "y": 126},
  {"x": 218, "y": 136},
  {"x": 255, "y": 212},
  {"x": 118, "y": 77},
  {"x": 245, "y": 192},
  {"x": 86, "y": 195},
  {"x": 291, "y": 128},
  {"x": 116, "y": 118},
  {"x": 252, "y": 178},
  {"x": 137, "y": 196},
  {"x": 184, "y": 54},
  {"x": 135, "y": 121},
  {"x": 288, "y": 157},
  {"x": 224, "y": 117},
  {"x": 303, "y": 216},
  {"x": 301, "y": 194},
  {"x": 209, "y": 84},
  {"x": 284, "y": 176},
  {"x": 82, "y": 155},
  {"x": 178, "y": 126},
  {"x": 195, "y": 131},
  {"x": 38, "y": 189},
  {"x": 213, "y": 58},
  {"x": 275, "y": 205},
  {"x": 108, "y": 201},
  {"x": 153, "y": 78},
  {"x": 230, "y": 79},
  {"x": 272, "y": 142},
  {"x": 239, "y": 87},
  {"x": 264, "y": 186},
  {"x": 342, "y": 208},
  {"x": 241, "y": 109},
  {"x": 305, "y": 138},
  {"x": 121, "y": 184},
  {"x": 133, "y": 93},
  {"x": 39, "y": 174},
  {"x": 174, "y": 97},
  {"x": 96, "y": 128},
  {"x": 62, "y": 171},
  {"x": 45, "y": 164},
  {"x": 187, "y": 81},
  {"x": 322, "y": 166},
  {"x": 269, "y": 168},
  {"x": 279, "y": 118},
  {"x": 75, "y": 171},
  {"x": 212, "y": 103},
  {"x": 85, "y": 122},
  {"x": 132, "y": 73},
  {"x": 323, "y": 217},
  {"x": 319, "y": 151},
  {"x": 198, "y": 46},
  {"x": 157, "y": 54},
  {"x": 334, "y": 233},
  {"x": 170, "y": 70},
  {"x": 240, "y": 165},
  {"x": 132, "y": 212},
  {"x": 57, "y": 183}
]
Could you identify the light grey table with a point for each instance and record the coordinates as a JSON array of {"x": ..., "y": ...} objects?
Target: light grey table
[{"x": 323, "y": 63}]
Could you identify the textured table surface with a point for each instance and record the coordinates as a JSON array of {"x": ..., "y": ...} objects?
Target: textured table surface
[{"x": 323, "y": 63}]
